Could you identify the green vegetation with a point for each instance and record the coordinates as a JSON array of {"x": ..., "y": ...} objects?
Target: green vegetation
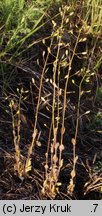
[
  {"x": 99, "y": 93},
  {"x": 51, "y": 99}
]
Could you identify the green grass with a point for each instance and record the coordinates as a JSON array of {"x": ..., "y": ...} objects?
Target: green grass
[
  {"x": 99, "y": 93},
  {"x": 19, "y": 21}
]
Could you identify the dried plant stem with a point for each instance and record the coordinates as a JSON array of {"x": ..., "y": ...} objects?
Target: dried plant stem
[
  {"x": 37, "y": 107},
  {"x": 16, "y": 133},
  {"x": 75, "y": 158},
  {"x": 77, "y": 118}
]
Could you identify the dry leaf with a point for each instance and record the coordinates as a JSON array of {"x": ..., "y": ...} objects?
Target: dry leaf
[
  {"x": 46, "y": 166},
  {"x": 61, "y": 163},
  {"x": 76, "y": 158},
  {"x": 61, "y": 147},
  {"x": 56, "y": 146},
  {"x": 58, "y": 184},
  {"x": 52, "y": 149},
  {"x": 38, "y": 143},
  {"x": 63, "y": 130},
  {"x": 73, "y": 141},
  {"x": 55, "y": 159},
  {"x": 73, "y": 174},
  {"x": 28, "y": 165}
]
